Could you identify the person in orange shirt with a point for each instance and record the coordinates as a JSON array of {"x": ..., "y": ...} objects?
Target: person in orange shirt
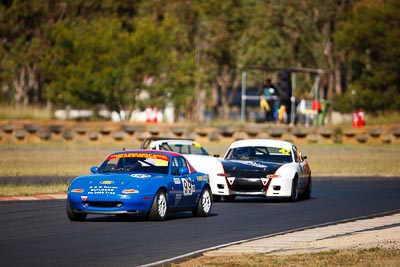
[{"x": 282, "y": 115}]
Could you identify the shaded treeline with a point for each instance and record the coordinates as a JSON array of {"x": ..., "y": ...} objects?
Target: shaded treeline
[{"x": 90, "y": 53}]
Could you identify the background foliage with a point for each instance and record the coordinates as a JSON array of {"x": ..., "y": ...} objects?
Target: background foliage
[{"x": 87, "y": 53}]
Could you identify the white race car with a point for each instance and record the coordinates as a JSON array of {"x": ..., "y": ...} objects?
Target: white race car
[
  {"x": 195, "y": 153},
  {"x": 262, "y": 167}
]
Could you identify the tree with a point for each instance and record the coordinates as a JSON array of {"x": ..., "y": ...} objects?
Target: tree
[
  {"x": 370, "y": 39},
  {"x": 23, "y": 44},
  {"x": 89, "y": 52},
  {"x": 224, "y": 23},
  {"x": 30, "y": 48},
  {"x": 85, "y": 66}
]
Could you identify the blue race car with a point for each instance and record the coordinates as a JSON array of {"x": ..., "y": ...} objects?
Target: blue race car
[{"x": 143, "y": 182}]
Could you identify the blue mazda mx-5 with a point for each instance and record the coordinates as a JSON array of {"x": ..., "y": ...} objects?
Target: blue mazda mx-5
[{"x": 145, "y": 182}]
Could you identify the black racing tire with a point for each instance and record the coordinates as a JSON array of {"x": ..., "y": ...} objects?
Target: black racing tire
[
  {"x": 73, "y": 216},
  {"x": 294, "y": 196},
  {"x": 308, "y": 190},
  {"x": 217, "y": 198},
  {"x": 204, "y": 204},
  {"x": 158, "y": 211}
]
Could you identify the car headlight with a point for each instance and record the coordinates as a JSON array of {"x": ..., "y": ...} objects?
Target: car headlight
[
  {"x": 77, "y": 190},
  {"x": 272, "y": 176}
]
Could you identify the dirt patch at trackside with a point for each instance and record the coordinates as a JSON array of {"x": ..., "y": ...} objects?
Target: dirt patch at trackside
[{"x": 383, "y": 238}]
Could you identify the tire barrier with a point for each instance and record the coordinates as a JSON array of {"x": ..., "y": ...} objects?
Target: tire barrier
[{"x": 116, "y": 133}]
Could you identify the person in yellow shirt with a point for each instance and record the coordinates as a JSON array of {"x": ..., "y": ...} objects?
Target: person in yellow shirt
[{"x": 264, "y": 106}]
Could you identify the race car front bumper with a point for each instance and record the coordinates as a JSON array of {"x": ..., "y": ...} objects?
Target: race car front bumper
[{"x": 136, "y": 204}]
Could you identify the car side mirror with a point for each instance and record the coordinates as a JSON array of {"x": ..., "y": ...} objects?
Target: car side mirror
[
  {"x": 94, "y": 169},
  {"x": 183, "y": 171}
]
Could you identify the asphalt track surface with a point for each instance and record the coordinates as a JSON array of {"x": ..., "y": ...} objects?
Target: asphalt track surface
[{"x": 38, "y": 233}]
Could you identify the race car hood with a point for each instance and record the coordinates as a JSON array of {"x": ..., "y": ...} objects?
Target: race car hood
[
  {"x": 116, "y": 180},
  {"x": 241, "y": 168}
]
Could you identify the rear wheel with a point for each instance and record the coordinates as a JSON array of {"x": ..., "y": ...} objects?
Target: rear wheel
[
  {"x": 73, "y": 216},
  {"x": 203, "y": 208},
  {"x": 158, "y": 211},
  {"x": 294, "y": 196},
  {"x": 307, "y": 192}
]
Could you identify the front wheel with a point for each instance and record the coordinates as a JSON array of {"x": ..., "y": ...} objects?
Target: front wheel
[
  {"x": 158, "y": 211},
  {"x": 203, "y": 208},
  {"x": 73, "y": 216}
]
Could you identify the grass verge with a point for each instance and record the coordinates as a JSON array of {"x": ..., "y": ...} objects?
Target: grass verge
[
  {"x": 14, "y": 190},
  {"x": 11, "y": 112},
  {"x": 332, "y": 258},
  {"x": 55, "y": 160}
]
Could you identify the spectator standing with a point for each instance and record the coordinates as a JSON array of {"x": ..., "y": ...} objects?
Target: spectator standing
[
  {"x": 265, "y": 107},
  {"x": 282, "y": 115},
  {"x": 269, "y": 92},
  {"x": 149, "y": 113},
  {"x": 154, "y": 115}
]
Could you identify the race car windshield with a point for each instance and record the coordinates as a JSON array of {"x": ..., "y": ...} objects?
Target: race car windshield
[
  {"x": 136, "y": 164},
  {"x": 260, "y": 153},
  {"x": 194, "y": 148}
]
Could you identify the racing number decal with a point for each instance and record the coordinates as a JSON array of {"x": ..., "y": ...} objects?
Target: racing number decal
[
  {"x": 284, "y": 151},
  {"x": 187, "y": 187}
]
